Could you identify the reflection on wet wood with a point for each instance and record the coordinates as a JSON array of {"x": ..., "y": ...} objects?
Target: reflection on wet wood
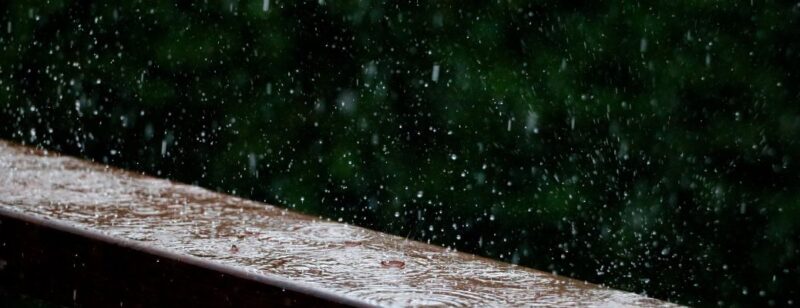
[{"x": 266, "y": 244}]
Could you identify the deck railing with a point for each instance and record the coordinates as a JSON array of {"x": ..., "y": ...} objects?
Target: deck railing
[{"x": 78, "y": 233}]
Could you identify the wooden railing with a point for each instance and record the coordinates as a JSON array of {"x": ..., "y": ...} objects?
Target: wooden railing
[{"x": 77, "y": 233}]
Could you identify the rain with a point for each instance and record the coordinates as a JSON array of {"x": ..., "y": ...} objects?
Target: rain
[{"x": 650, "y": 147}]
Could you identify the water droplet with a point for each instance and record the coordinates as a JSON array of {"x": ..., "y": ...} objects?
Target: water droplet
[{"x": 435, "y": 73}]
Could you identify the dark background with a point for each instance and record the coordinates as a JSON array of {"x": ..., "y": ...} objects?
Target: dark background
[{"x": 650, "y": 146}]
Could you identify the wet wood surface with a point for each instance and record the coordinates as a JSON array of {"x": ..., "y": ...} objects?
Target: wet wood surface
[{"x": 268, "y": 245}]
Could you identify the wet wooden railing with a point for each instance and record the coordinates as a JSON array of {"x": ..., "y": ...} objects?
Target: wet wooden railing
[{"x": 81, "y": 234}]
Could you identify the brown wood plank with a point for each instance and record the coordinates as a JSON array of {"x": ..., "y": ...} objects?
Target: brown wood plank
[{"x": 140, "y": 238}]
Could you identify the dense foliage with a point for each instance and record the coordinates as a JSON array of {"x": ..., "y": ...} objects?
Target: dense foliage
[{"x": 647, "y": 145}]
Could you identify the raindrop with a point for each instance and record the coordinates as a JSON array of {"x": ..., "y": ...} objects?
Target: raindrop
[
  {"x": 163, "y": 147},
  {"x": 251, "y": 162}
]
